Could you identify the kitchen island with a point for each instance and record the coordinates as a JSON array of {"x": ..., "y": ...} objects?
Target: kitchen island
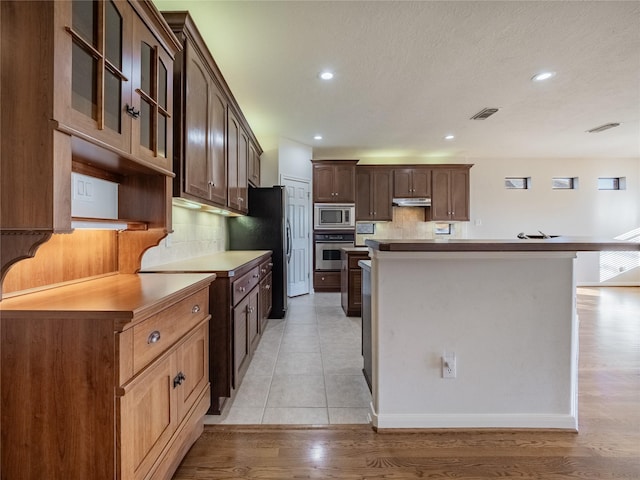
[{"x": 502, "y": 313}]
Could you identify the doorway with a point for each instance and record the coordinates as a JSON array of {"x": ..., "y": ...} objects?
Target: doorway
[{"x": 298, "y": 208}]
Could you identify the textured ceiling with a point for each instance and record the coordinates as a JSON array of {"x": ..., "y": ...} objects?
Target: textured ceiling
[{"x": 407, "y": 73}]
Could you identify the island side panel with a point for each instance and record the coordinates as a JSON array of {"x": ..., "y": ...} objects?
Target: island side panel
[{"x": 508, "y": 316}]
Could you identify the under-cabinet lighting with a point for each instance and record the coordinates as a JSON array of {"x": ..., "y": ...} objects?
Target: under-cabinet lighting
[
  {"x": 181, "y": 202},
  {"x": 88, "y": 225}
]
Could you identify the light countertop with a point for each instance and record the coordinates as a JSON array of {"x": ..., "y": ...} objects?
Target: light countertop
[{"x": 223, "y": 264}]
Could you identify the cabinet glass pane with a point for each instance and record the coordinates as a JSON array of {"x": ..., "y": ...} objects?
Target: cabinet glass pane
[
  {"x": 85, "y": 20},
  {"x": 112, "y": 101},
  {"x": 162, "y": 136},
  {"x": 146, "y": 122},
  {"x": 113, "y": 35},
  {"x": 84, "y": 82},
  {"x": 146, "y": 59},
  {"x": 162, "y": 85}
]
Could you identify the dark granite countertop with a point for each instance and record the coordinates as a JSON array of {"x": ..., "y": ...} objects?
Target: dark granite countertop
[{"x": 557, "y": 244}]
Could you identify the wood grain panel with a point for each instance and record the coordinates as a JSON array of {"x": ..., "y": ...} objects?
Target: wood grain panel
[
  {"x": 40, "y": 386},
  {"x": 64, "y": 258}
]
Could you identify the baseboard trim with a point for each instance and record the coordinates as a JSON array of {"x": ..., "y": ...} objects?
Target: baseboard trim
[{"x": 474, "y": 421}]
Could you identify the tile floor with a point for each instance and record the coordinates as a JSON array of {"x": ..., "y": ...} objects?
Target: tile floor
[{"x": 307, "y": 369}]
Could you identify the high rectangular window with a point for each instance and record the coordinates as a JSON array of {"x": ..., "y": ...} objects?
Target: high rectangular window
[
  {"x": 612, "y": 183},
  {"x": 517, "y": 183},
  {"x": 565, "y": 183}
]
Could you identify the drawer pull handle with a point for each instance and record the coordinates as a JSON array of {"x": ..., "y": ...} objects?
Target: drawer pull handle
[
  {"x": 263, "y": 270},
  {"x": 270, "y": 264},
  {"x": 195, "y": 309},
  {"x": 154, "y": 337},
  {"x": 242, "y": 289},
  {"x": 178, "y": 379},
  {"x": 255, "y": 275}
]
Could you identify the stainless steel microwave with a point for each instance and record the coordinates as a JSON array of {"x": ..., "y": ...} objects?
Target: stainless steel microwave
[{"x": 334, "y": 216}]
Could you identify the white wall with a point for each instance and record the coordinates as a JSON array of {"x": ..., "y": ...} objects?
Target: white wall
[
  {"x": 194, "y": 234},
  {"x": 500, "y": 213},
  {"x": 294, "y": 159}
]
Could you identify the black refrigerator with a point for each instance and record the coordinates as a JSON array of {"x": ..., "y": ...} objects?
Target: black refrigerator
[{"x": 266, "y": 228}]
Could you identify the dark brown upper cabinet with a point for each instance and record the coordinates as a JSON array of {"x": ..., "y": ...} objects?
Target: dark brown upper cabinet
[
  {"x": 450, "y": 194},
  {"x": 411, "y": 182},
  {"x": 334, "y": 181},
  {"x": 217, "y": 154},
  {"x": 373, "y": 193}
]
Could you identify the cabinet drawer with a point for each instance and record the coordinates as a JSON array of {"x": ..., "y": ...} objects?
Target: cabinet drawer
[
  {"x": 245, "y": 284},
  {"x": 265, "y": 268},
  {"x": 326, "y": 280},
  {"x": 158, "y": 333}
]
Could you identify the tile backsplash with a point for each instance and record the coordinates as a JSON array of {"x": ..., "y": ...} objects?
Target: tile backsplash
[
  {"x": 194, "y": 234},
  {"x": 409, "y": 223}
]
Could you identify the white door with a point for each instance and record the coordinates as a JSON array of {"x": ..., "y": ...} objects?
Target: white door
[{"x": 298, "y": 210}]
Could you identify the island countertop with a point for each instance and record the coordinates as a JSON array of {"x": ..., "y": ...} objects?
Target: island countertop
[{"x": 557, "y": 244}]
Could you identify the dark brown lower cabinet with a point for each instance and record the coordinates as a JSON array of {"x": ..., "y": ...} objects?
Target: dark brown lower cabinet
[
  {"x": 367, "y": 370},
  {"x": 326, "y": 281},
  {"x": 351, "y": 281}
]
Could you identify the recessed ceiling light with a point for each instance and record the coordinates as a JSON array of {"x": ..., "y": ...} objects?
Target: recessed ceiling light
[
  {"x": 326, "y": 75},
  {"x": 542, "y": 76},
  {"x": 317, "y": 137},
  {"x": 449, "y": 137}
]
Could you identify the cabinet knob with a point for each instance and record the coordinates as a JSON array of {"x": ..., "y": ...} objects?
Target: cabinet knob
[
  {"x": 270, "y": 264},
  {"x": 322, "y": 278},
  {"x": 154, "y": 337},
  {"x": 131, "y": 111},
  {"x": 178, "y": 379},
  {"x": 268, "y": 287},
  {"x": 195, "y": 308},
  {"x": 263, "y": 270},
  {"x": 255, "y": 275},
  {"x": 242, "y": 289},
  {"x": 211, "y": 184}
]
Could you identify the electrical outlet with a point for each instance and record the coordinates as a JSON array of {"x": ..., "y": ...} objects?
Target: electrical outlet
[{"x": 449, "y": 365}]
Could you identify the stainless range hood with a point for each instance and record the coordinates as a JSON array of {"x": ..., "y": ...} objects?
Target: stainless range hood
[{"x": 412, "y": 202}]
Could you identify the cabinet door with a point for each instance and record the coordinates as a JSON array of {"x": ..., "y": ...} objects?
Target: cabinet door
[
  {"x": 323, "y": 183},
  {"x": 217, "y": 143},
  {"x": 196, "y": 124},
  {"x": 151, "y": 132},
  {"x": 253, "y": 322},
  {"x": 421, "y": 182},
  {"x": 440, "y": 208},
  {"x": 240, "y": 340},
  {"x": 254, "y": 166},
  {"x": 459, "y": 194},
  {"x": 148, "y": 418},
  {"x": 402, "y": 183},
  {"x": 344, "y": 183},
  {"x": 101, "y": 71},
  {"x": 243, "y": 163},
  {"x": 233, "y": 141},
  {"x": 193, "y": 363},
  {"x": 382, "y": 196},
  {"x": 364, "y": 194}
]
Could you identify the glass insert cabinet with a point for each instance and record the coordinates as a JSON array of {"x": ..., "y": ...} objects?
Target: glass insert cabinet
[{"x": 120, "y": 80}]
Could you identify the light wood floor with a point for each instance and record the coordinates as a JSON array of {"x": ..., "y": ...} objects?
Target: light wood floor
[{"x": 606, "y": 447}]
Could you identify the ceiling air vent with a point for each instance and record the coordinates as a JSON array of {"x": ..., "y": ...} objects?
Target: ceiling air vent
[
  {"x": 484, "y": 113},
  {"x": 604, "y": 127}
]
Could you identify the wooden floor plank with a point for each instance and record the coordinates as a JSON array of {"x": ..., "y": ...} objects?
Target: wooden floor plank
[{"x": 607, "y": 446}]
